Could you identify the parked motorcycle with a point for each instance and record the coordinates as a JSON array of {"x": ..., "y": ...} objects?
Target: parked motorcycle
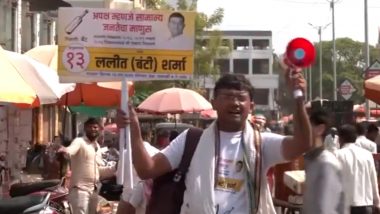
[
  {"x": 29, "y": 204},
  {"x": 110, "y": 190},
  {"x": 55, "y": 188}
]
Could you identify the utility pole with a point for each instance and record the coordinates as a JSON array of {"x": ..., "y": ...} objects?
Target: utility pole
[
  {"x": 36, "y": 23},
  {"x": 307, "y": 81},
  {"x": 320, "y": 28},
  {"x": 310, "y": 85},
  {"x": 332, "y": 6},
  {"x": 16, "y": 25},
  {"x": 367, "y": 109},
  {"x": 320, "y": 62}
]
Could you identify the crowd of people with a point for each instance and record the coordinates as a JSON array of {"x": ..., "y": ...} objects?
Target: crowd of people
[
  {"x": 340, "y": 171},
  {"x": 228, "y": 172},
  {"x": 212, "y": 183}
]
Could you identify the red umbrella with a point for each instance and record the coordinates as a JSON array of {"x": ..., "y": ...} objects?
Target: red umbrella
[
  {"x": 372, "y": 89},
  {"x": 112, "y": 127},
  {"x": 209, "y": 114},
  {"x": 360, "y": 110},
  {"x": 174, "y": 101}
]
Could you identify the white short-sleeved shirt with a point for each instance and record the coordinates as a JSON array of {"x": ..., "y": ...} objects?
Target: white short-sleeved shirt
[
  {"x": 231, "y": 194},
  {"x": 359, "y": 176},
  {"x": 366, "y": 143},
  {"x": 126, "y": 195}
]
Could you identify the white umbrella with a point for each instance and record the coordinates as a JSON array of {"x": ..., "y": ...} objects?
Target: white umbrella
[{"x": 42, "y": 79}]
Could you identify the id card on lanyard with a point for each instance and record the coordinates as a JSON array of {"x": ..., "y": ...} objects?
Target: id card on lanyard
[{"x": 253, "y": 181}]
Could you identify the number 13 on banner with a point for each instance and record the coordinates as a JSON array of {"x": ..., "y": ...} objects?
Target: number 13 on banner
[{"x": 75, "y": 58}]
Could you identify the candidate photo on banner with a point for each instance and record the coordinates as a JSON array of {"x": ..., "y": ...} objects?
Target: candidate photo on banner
[{"x": 179, "y": 36}]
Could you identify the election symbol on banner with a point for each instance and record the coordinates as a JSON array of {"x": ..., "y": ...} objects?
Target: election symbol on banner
[
  {"x": 70, "y": 28},
  {"x": 346, "y": 89},
  {"x": 373, "y": 70}
]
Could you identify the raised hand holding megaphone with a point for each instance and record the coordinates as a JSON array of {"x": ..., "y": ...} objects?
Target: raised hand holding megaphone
[{"x": 300, "y": 53}]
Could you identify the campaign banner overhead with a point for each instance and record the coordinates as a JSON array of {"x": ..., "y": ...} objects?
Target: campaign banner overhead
[{"x": 104, "y": 44}]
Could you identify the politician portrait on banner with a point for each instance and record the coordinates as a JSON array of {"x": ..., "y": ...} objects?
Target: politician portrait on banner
[
  {"x": 177, "y": 37},
  {"x": 106, "y": 44}
]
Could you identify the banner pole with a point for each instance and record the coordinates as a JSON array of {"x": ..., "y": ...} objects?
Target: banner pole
[{"x": 125, "y": 161}]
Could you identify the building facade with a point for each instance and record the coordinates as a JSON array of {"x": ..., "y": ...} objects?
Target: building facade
[{"x": 251, "y": 55}]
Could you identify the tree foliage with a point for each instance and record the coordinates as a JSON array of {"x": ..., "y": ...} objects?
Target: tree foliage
[
  {"x": 350, "y": 64},
  {"x": 157, "y": 5}
]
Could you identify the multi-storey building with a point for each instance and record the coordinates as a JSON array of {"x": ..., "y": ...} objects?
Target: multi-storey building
[{"x": 251, "y": 55}]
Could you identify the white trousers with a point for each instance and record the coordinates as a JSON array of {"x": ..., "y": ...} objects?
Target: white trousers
[{"x": 83, "y": 202}]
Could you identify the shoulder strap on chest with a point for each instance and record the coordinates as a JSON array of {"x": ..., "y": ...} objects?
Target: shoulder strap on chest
[{"x": 192, "y": 139}]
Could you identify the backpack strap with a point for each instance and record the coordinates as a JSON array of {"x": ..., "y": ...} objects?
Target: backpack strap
[
  {"x": 192, "y": 139},
  {"x": 258, "y": 167}
]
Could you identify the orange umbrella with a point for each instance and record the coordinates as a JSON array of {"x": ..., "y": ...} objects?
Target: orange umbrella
[
  {"x": 105, "y": 94},
  {"x": 174, "y": 101}
]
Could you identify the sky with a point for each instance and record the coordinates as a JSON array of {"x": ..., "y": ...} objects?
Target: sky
[{"x": 288, "y": 19}]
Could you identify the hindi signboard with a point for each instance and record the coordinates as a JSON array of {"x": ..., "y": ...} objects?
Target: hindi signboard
[{"x": 104, "y": 44}]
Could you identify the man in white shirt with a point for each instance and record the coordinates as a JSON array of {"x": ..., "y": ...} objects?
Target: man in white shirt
[
  {"x": 362, "y": 140},
  {"x": 261, "y": 121},
  {"x": 134, "y": 202},
  {"x": 87, "y": 168},
  {"x": 359, "y": 173},
  {"x": 331, "y": 141},
  {"x": 324, "y": 186},
  {"x": 373, "y": 133},
  {"x": 213, "y": 185}
]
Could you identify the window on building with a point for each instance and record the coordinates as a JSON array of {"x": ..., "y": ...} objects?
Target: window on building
[
  {"x": 223, "y": 64},
  {"x": 275, "y": 94},
  {"x": 241, "y": 66},
  {"x": 261, "y": 96},
  {"x": 204, "y": 43},
  {"x": 6, "y": 38},
  {"x": 241, "y": 44},
  {"x": 226, "y": 43},
  {"x": 260, "y": 66},
  {"x": 260, "y": 44}
]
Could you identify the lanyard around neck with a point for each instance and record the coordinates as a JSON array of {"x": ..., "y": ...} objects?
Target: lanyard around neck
[{"x": 217, "y": 155}]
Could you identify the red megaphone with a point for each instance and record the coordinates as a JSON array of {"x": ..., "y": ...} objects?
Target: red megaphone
[{"x": 300, "y": 53}]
